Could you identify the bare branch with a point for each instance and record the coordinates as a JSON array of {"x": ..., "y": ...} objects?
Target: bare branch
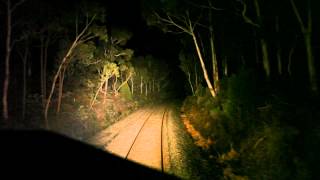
[
  {"x": 245, "y": 17},
  {"x": 17, "y": 40},
  {"x": 309, "y": 17},
  {"x": 197, "y": 22},
  {"x": 169, "y": 21},
  {"x": 91, "y": 63},
  {"x": 80, "y": 36},
  {"x": 124, "y": 82},
  {"x": 120, "y": 54},
  {"x": 191, "y": 27},
  {"x": 17, "y": 4},
  {"x": 210, "y": 6},
  {"x": 86, "y": 38},
  {"x": 116, "y": 41},
  {"x": 77, "y": 25},
  {"x": 297, "y": 14}
]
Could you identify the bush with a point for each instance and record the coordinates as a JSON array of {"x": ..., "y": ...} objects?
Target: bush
[
  {"x": 125, "y": 92},
  {"x": 241, "y": 95},
  {"x": 267, "y": 153},
  {"x": 258, "y": 133}
]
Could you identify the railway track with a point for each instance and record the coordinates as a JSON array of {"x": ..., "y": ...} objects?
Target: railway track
[
  {"x": 141, "y": 138},
  {"x": 138, "y": 135}
]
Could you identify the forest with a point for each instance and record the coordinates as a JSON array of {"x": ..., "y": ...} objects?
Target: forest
[{"x": 243, "y": 74}]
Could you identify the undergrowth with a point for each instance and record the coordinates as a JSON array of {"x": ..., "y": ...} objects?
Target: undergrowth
[{"x": 258, "y": 133}]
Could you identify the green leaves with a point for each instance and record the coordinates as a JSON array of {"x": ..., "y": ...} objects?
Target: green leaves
[
  {"x": 120, "y": 36},
  {"x": 85, "y": 52},
  {"x": 100, "y": 32},
  {"x": 109, "y": 69}
]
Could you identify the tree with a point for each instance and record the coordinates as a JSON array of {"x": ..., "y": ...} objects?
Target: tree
[
  {"x": 150, "y": 76},
  {"x": 262, "y": 41},
  {"x": 187, "y": 26},
  {"x": 186, "y": 65},
  {"x": 307, "y": 34},
  {"x": 112, "y": 62},
  {"x": 109, "y": 69},
  {"x": 24, "y": 55},
  {"x": 215, "y": 71},
  {"x": 9, "y": 45},
  {"x": 80, "y": 38},
  {"x": 279, "y": 59}
]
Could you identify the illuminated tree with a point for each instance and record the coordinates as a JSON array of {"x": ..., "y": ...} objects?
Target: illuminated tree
[
  {"x": 111, "y": 60},
  {"x": 186, "y": 25},
  {"x": 215, "y": 70},
  {"x": 85, "y": 35},
  {"x": 151, "y": 75},
  {"x": 188, "y": 18},
  {"x": 109, "y": 69}
]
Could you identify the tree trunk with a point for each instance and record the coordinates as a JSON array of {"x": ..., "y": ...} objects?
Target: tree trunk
[
  {"x": 42, "y": 77},
  {"x": 257, "y": 49},
  {"x": 196, "y": 77},
  {"x": 190, "y": 83},
  {"x": 307, "y": 33},
  {"x": 311, "y": 64},
  {"x": 146, "y": 89},
  {"x": 8, "y": 44},
  {"x": 45, "y": 61},
  {"x": 265, "y": 57},
  {"x": 24, "y": 59},
  {"x": 290, "y": 61},
  {"x": 43, "y": 67},
  {"x": 131, "y": 80},
  {"x": 106, "y": 83},
  {"x": 114, "y": 86},
  {"x": 24, "y": 93},
  {"x": 214, "y": 64},
  {"x": 61, "y": 66},
  {"x": 279, "y": 60},
  {"x": 7, "y": 66},
  {"x": 263, "y": 44},
  {"x": 55, "y": 78},
  {"x": 225, "y": 66},
  {"x": 96, "y": 94},
  {"x": 215, "y": 72},
  {"x": 60, "y": 93},
  {"x": 141, "y": 85},
  {"x": 124, "y": 82},
  {"x": 189, "y": 29},
  {"x": 205, "y": 73},
  {"x": 308, "y": 44}
]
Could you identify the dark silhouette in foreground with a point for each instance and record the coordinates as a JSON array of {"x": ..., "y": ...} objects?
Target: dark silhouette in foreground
[{"x": 38, "y": 152}]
